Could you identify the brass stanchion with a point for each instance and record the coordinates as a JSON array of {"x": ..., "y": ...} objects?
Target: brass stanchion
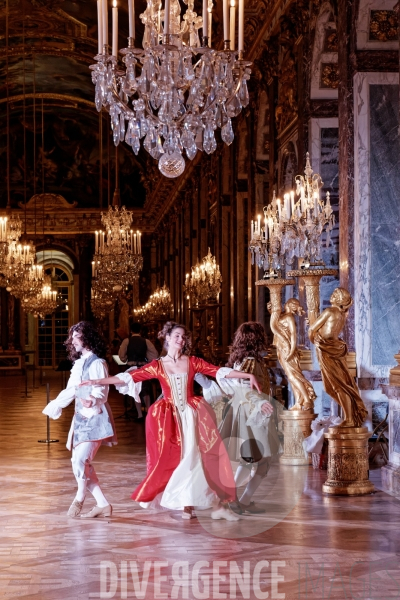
[{"x": 48, "y": 440}]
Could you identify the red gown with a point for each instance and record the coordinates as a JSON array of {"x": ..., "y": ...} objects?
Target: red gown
[{"x": 164, "y": 437}]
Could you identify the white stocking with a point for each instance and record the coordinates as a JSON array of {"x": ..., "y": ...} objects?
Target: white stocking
[
  {"x": 98, "y": 495},
  {"x": 81, "y": 493}
]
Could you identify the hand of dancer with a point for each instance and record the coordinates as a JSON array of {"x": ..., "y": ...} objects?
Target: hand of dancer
[
  {"x": 254, "y": 383},
  {"x": 267, "y": 408}
]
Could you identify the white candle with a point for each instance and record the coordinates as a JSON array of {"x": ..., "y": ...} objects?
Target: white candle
[
  {"x": 140, "y": 242},
  {"x": 100, "y": 27},
  {"x": 131, "y": 8},
  {"x": 292, "y": 200},
  {"x": 134, "y": 243},
  {"x": 96, "y": 241},
  {"x": 232, "y": 24},
  {"x": 265, "y": 229},
  {"x": 115, "y": 29},
  {"x": 252, "y": 230},
  {"x": 225, "y": 9},
  {"x": 205, "y": 18},
  {"x": 259, "y": 225},
  {"x": 93, "y": 269},
  {"x": 209, "y": 25},
  {"x": 105, "y": 21},
  {"x": 241, "y": 26},
  {"x": 315, "y": 204},
  {"x": 166, "y": 16}
]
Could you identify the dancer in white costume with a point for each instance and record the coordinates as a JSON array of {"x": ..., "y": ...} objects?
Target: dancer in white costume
[
  {"x": 248, "y": 428},
  {"x": 93, "y": 424}
]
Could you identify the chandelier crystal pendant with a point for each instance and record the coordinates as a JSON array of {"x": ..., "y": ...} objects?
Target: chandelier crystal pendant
[
  {"x": 293, "y": 228},
  {"x": 203, "y": 285},
  {"x": 175, "y": 92}
]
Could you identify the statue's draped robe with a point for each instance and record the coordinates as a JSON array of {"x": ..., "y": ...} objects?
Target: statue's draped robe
[
  {"x": 336, "y": 376},
  {"x": 291, "y": 367},
  {"x": 164, "y": 436}
]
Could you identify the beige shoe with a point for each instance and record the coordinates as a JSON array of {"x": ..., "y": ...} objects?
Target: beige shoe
[
  {"x": 75, "y": 508},
  {"x": 98, "y": 511}
]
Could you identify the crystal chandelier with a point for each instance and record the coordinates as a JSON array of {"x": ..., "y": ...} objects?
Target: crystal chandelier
[
  {"x": 203, "y": 285},
  {"x": 44, "y": 303},
  {"x": 175, "y": 92},
  {"x": 118, "y": 253},
  {"x": 10, "y": 232},
  {"x": 24, "y": 277},
  {"x": 293, "y": 229},
  {"x": 102, "y": 299}
]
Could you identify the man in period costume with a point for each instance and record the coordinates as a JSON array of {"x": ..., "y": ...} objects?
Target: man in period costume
[{"x": 93, "y": 423}]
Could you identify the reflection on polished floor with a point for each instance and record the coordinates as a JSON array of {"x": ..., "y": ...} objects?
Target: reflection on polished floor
[{"x": 320, "y": 548}]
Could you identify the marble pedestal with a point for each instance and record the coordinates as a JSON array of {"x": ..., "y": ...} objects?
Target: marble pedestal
[
  {"x": 391, "y": 471},
  {"x": 297, "y": 426},
  {"x": 347, "y": 462}
]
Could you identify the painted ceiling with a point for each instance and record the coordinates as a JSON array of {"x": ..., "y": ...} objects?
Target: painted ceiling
[{"x": 51, "y": 127}]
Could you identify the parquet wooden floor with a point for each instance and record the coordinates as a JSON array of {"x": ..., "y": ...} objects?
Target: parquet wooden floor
[{"x": 334, "y": 548}]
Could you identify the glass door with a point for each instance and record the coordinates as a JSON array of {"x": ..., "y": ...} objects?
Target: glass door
[{"x": 53, "y": 329}]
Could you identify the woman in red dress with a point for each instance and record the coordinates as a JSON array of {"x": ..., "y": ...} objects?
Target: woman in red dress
[{"x": 187, "y": 464}]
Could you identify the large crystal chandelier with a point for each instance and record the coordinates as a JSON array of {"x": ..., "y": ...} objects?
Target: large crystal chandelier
[
  {"x": 203, "y": 284},
  {"x": 10, "y": 232},
  {"x": 118, "y": 253},
  {"x": 293, "y": 228},
  {"x": 176, "y": 91}
]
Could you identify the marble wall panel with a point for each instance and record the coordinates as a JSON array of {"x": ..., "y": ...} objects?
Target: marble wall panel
[
  {"x": 385, "y": 222},
  {"x": 377, "y": 214}
]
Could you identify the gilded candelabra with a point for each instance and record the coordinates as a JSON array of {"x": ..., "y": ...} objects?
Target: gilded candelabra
[{"x": 292, "y": 228}]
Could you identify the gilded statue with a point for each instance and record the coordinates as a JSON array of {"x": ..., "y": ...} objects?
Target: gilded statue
[
  {"x": 331, "y": 352},
  {"x": 283, "y": 326}
]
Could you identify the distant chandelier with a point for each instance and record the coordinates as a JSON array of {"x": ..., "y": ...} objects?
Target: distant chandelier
[
  {"x": 44, "y": 303},
  {"x": 157, "y": 308},
  {"x": 118, "y": 258},
  {"x": 203, "y": 285},
  {"x": 293, "y": 229},
  {"x": 175, "y": 92}
]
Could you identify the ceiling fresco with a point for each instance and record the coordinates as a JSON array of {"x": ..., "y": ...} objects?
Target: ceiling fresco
[{"x": 51, "y": 44}]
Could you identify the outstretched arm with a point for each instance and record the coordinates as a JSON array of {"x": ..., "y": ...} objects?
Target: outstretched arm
[{"x": 147, "y": 372}]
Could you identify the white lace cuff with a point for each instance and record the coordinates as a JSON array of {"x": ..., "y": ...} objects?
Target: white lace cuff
[
  {"x": 257, "y": 418},
  {"x": 223, "y": 382},
  {"x": 53, "y": 410},
  {"x": 213, "y": 393},
  {"x": 128, "y": 386}
]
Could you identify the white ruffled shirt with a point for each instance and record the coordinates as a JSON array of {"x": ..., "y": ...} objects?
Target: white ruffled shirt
[{"x": 97, "y": 370}]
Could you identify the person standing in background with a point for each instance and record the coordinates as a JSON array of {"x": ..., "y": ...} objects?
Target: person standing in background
[{"x": 137, "y": 351}]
